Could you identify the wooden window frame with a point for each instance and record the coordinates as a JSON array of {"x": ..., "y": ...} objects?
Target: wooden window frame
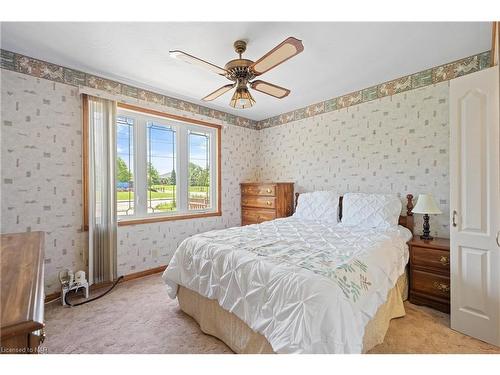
[
  {"x": 495, "y": 43},
  {"x": 147, "y": 220}
]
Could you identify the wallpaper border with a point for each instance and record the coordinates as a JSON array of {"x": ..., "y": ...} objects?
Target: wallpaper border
[
  {"x": 42, "y": 69},
  {"x": 413, "y": 81}
]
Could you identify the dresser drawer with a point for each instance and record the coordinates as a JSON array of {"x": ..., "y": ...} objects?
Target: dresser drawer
[
  {"x": 258, "y": 201},
  {"x": 255, "y": 216},
  {"x": 264, "y": 189},
  {"x": 430, "y": 283},
  {"x": 433, "y": 258}
]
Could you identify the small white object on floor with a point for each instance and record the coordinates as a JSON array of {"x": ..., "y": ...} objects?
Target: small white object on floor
[{"x": 75, "y": 286}]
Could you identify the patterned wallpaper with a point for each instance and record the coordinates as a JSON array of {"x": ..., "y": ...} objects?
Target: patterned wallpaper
[
  {"x": 41, "y": 187},
  {"x": 394, "y": 141},
  {"x": 41, "y": 182},
  {"x": 42, "y": 69},
  {"x": 414, "y": 81},
  {"x": 397, "y": 144}
]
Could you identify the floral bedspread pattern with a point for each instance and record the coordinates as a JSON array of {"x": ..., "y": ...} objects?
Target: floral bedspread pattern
[
  {"x": 307, "y": 286},
  {"x": 323, "y": 249}
]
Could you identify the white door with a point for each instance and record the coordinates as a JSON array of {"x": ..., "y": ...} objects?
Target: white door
[{"x": 475, "y": 205}]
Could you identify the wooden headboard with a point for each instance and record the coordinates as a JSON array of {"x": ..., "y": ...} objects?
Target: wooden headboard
[{"x": 405, "y": 221}]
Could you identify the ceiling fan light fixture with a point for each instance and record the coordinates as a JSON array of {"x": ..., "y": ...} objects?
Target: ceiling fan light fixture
[
  {"x": 242, "y": 71},
  {"x": 242, "y": 99}
]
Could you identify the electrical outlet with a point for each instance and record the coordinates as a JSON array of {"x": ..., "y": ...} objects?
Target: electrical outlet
[{"x": 154, "y": 253}]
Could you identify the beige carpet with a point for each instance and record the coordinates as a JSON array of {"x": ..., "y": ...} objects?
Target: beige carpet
[{"x": 138, "y": 317}]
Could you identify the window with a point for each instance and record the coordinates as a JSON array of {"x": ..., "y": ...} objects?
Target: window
[
  {"x": 167, "y": 167},
  {"x": 162, "y": 176},
  {"x": 125, "y": 166},
  {"x": 199, "y": 170}
]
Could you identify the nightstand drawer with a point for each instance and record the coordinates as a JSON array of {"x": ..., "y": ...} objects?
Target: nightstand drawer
[
  {"x": 264, "y": 189},
  {"x": 256, "y": 216},
  {"x": 260, "y": 202},
  {"x": 433, "y": 258},
  {"x": 430, "y": 283}
]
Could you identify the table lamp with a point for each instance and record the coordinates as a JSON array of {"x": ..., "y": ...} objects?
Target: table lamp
[{"x": 426, "y": 205}]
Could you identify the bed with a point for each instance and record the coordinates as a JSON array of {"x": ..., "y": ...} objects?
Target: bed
[{"x": 297, "y": 284}]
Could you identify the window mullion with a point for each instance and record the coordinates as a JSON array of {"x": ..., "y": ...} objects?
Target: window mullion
[
  {"x": 182, "y": 155},
  {"x": 141, "y": 171}
]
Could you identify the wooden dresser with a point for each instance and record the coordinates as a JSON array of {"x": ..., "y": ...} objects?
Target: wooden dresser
[
  {"x": 21, "y": 292},
  {"x": 430, "y": 273},
  {"x": 265, "y": 201}
]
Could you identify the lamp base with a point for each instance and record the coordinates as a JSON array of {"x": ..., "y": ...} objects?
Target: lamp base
[
  {"x": 427, "y": 229},
  {"x": 426, "y": 238}
]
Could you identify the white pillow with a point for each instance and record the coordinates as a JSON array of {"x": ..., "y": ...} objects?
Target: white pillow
[
  {"x": 371, "y": 210},
  {"x": 319, "y": 205}
]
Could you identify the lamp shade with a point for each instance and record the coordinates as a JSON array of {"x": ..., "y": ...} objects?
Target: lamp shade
[
  {"x": 426, "y": 204},
  {"x": 242, "y": 99}
]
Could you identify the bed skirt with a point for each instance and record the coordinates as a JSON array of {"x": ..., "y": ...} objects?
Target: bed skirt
[{"x": 236, "y": 334}]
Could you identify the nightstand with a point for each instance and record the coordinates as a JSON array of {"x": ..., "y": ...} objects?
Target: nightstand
[{"x": 430, "y": 273}]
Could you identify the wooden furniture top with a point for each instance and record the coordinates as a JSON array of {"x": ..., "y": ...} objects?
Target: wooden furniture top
[
  {"x": 21, "y": 283},
  {"x": 436, "y": 243}
]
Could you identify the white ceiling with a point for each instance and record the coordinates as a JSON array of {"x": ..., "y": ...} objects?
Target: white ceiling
[{"x": 338, "y": 57}]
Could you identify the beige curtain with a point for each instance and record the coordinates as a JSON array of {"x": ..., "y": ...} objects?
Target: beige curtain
[{"x": 102, "y": 193}]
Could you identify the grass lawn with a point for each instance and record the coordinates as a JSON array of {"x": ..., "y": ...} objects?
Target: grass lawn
[{"x": 163, "y": 192}]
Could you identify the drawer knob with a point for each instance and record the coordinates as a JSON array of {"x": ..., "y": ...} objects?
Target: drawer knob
[
  {"x": 441, "y": 286},
  {"x": 444, "y": 260},
  {"x": 268, "y": 203},
  {"x": 268, "y": 190}
]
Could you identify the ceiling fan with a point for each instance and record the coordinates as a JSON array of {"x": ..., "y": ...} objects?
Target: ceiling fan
[{"x": 243, "y": 71}]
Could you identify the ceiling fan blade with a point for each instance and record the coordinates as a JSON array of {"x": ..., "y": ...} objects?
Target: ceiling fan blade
[
  {"x": 186, "y": 57},
  {"x": 270, "y": 89},
  {"x": 278, "y": 55},
  {"x": 218, "y": 92}
]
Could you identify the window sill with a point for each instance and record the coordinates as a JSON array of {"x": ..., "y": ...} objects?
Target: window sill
[{"x": 148, "y": 220}]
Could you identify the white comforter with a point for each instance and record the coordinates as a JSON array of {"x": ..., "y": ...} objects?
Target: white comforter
[{"x": 307, "y": 286}]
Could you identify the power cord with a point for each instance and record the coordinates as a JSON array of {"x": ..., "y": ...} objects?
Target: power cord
[{"x": 92, "y": 299}]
